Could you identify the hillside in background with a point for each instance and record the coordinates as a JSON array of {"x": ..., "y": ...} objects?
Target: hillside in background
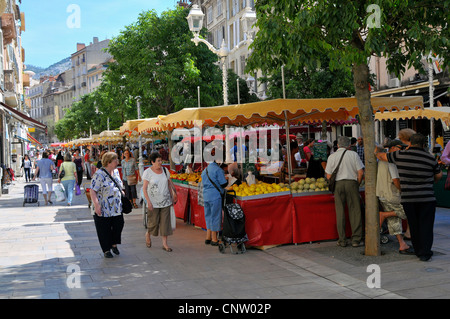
[{"x": 53, "y": 69}]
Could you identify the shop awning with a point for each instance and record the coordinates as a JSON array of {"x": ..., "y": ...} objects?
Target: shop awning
[
  {"x": 23, "y": 139},
  {"x": 33, "y": 140},
  {"x": 437, "y": 113},
  {"x": 150, "y": 125},
  {"x": 131, "y": 126},
  {"x": 22, "y": 117},
  {"x": 306, "y": 111}
]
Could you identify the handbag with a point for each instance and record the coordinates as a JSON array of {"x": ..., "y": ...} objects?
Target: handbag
[
  {"x": 62, "y": 173},
  {"x": 447, "y": 182},
  {"x": 173, "y": 220},
  {"x": 77, "y": 190},
  {"x": 332, "y": 180},
  {"x": 132, "y": 180},
  {"x": 127, "y": 207}
]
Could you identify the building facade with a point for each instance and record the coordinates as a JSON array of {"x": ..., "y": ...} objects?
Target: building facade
[
  {"x": 83, "y": 60},
  {"x": 15, "y": 121}
]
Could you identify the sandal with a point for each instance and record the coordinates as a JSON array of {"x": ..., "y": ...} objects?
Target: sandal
[
  {"x": 135, "y": 206},
  {"x": 148, "y": 244},
  {"x": 168, "y": 249}
]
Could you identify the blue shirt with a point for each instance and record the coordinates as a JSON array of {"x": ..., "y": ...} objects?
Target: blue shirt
[
  {"x": 45, "y": 165},
  {"x": 210, "y": 193}
]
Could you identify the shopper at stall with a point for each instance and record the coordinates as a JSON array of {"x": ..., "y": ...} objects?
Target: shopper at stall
[
  {"x": 130, "y": 173},
  {"x": 70, "y": 175},
  {"x": 26, "y": 164},
  {"x": 79, "y": 163},
  {"x": 388, "y": 193},
  {"x": 404, "y": 135},
  {"x": 348, "y": 178},
  {"x": 44, "y": 168},
  {"x": 214, "y": 182},
  {"x": 160, "y": 195},
  {"x": 107, "y": 205},
  {"x": 418, "y": 170}
]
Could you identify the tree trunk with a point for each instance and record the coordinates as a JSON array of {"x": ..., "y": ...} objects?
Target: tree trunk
[{"x": 372, "y": 227}]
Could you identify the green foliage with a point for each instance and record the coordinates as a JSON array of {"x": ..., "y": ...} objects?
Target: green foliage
[{"x": 294, "y": 33}]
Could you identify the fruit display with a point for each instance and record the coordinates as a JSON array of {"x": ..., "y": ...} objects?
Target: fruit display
[
  {"x": 258, "y": 188},
  {"x": 192, "y": 178},
  {"x": 309, "y": 185}
]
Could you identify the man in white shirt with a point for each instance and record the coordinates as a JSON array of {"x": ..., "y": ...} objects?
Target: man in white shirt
[
  {"x": 348, "y": 179},
  {"x": 388, "y": 192}
]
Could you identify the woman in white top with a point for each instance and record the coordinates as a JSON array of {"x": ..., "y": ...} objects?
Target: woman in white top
[{"x": 159, "y": 194}]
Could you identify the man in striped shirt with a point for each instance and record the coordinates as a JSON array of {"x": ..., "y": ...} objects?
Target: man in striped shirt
[{"x": 418, "y": 170}]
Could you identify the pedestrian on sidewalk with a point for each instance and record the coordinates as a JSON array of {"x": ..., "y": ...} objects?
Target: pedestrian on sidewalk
[
  {"x": 388, "y": 193},
  {"x": 70, "y": 175},
  {"x": 418, "y": 170},
  {"x": 107, "y": 204},
  {"x": 44, "y": 169},
  {"x": 26, "y": 164},
  {"x": 79, "y": 163},
  {"x": 348, "y": 179},
  {"x": 160, "y": 195}
]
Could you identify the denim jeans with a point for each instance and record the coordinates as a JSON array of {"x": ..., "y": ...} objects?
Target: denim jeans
[{"x": 68, "y": 189}]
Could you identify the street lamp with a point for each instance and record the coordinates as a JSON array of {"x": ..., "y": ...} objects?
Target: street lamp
[{"x": 195, "y": 21}]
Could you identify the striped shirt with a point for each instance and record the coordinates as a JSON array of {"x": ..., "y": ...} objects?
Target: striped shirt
[{"x": 416, "y": 168}]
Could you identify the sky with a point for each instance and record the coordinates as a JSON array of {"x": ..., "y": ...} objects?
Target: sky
[{"x": 54, "y": 27}]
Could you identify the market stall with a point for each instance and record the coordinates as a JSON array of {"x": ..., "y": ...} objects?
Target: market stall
[{"x": 280, "y": 216}]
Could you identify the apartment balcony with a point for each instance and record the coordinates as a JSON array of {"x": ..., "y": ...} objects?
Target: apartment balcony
[
  {"x": 10, "y": 89},
  {"x": 8, "y": 27}
]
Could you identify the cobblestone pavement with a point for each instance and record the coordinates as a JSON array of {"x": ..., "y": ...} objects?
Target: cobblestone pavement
[{"x": 52, "y": 252}]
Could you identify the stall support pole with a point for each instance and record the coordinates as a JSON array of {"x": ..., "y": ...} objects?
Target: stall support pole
[
  {"x": 286, "y": 124},
  {"x": 431, "y": 93}
]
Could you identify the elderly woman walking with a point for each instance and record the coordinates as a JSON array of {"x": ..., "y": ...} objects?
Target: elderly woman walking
[
  {"x": 107, "y": 204},
  {"x": 160, "y": 194}
]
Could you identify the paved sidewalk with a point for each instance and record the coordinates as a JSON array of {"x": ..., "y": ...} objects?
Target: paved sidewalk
[{"x": 41, "y": 246}]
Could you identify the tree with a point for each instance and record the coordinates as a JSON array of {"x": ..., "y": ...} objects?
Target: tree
[
  {"x": 156, "y": 60},
  {"x": 295, "y": 32}
]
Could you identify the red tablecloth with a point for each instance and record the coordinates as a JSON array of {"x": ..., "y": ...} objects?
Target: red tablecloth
[
  {"x": 182, "y": 205},
  {"x": 315, "y": 218},
  {"x": 268, "y": 221},
  {"x": 197, "y": 211}
]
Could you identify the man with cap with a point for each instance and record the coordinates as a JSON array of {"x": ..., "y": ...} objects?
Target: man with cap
[
  {"x": 388, "y": 193},
  {"x": 418, "y": 170}
]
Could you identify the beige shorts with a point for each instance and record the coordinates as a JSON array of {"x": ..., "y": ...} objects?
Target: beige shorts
[
  {"x": 158, "y": 222},
  {"x": 394, "y": 223}
]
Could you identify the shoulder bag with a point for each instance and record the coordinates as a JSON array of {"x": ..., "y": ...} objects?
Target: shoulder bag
[
  {"x": 62, "y": 173},
  {"x": 132, "y": 179},
  {"x": 127, "y": 207},
  {"x": 332, "y": 181},
  {"x": 173, "y": 220}
]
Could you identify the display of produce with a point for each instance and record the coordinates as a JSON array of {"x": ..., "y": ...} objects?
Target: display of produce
[
  {"x": 193, "y": 178},
  {"x": 258, "y": 188},
  {"x": 309, "y": 185}
]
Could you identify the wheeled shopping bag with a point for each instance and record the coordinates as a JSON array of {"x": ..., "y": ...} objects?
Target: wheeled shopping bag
[
  {"x": 31, "y": 194},
  {"x": 233, "y": 232}
]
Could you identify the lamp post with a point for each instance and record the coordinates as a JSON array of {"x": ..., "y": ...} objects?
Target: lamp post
[
  {"x": 141, "y": 159},
  {"x": 195, "y": 21}
]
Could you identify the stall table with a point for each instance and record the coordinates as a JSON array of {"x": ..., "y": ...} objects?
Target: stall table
[
  {"x": 315, "y": 217},
  {"x": 182, "y": 205},
  {"x": 197, "y": 211},
  {"x": 268, "y": 218}
]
